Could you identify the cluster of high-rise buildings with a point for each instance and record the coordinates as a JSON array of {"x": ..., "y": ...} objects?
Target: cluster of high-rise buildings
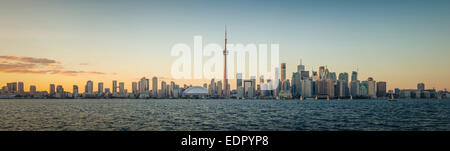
[
  {"x": 324, "y": 84},
  {"x": 321, "y": 84},
  {"x": 140, "y": 89}
]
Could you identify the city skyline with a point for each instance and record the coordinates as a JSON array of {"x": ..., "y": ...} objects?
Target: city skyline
[
  {"x": 322, "y": 73},
  {"x": 405, "y": 44}
]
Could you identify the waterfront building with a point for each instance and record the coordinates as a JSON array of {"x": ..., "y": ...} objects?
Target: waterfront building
[
  {"x": 283, "y": 72},
  {"x": 381, "y": 89},
  {"x": 354, "y": 88},
  {"x": 155, "y": 87},
  {"x": 100, "y": 87},
  {"x": 60, "y": 91},
  {"x": 12, "y": 87},
  {"x": 134, "y": 87},
  {"x": 144, "y": 85},
  {"x": 32, "y": 89},
  {"x": 296, "y": 85},
  {"x": 238, "y": 80},
  {"x": 163, "y": 91},
  {"x": 89, "y": 88},
  {"x": 52, "y": 90},
  {"x": 75, "y": 90},
  {"x": 363, "y": 89},
  {"x": 307, "y": 88},
  {"x": 114, "y": 86},
  {"x": 248, "y": 89},
  {"x": 325, "y": 87},
  {"x": 20, "y": 88},
  {"x": 344, "y": 78},
  {"x": 240, "y": 92},
  {"x": 195, "y": 92},
  {"x": 219, "y": 89},
  {"x": 121, "y": 88},
  {"x": 340, "y": 88},
  {"x": 371, "y": 88},
  {"x": 354, "y": 76}
]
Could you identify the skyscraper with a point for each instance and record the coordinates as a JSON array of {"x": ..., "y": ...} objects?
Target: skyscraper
[
  {"x": 296, "y": 85},
  {"x": 300, "y": 67},
  {"x": 283, "y": 72},
  {"x": 154, "y": 86},
  {"x": 354, "y": 88},
  {"x": 219, "y": 89},
  {"x": 60, "y": 91},
  {"x": 100, "y": 87},
  {"x": 372, "y": 88},
  {"x": 75, "y": 90},
  {"x": 163, "y": 92},
  {"x": 344, "y": 77},
  {"x": 364, "y": 88},
  {"x": 321, "y": 72},
  {"x": 325, "y": 87},
  {"x": 20, "y": 88},
  {"x": 89, "y": 89},
  {"x": 134, "y": 87},
  {"x": 238, "y": 80},
  {"x": 52, "y": 90},
  {"x": 144, "y": 85},
  {"x": 12, "y": 87},
  {"x": 212, "y": 87},
  {"x": 354, "y": 76},
  {"x": 114, "y": 86},
  {"x": 248, "y": 89},
  {"x": 121, "y": 88},
  {"x": 307, "y": 88},
  {"x": 381, "y": 89}
]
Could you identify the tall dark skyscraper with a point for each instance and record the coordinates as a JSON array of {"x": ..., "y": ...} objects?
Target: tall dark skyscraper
[
  {"x": 354, "y": 76},
  {"x": 283, "y": 72},
  {"x": 52, "y": 89},
  {"x": 381, "y": 89}
]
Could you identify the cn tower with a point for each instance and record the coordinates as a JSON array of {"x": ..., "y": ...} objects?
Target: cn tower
[{"x": 225, "y": 78}]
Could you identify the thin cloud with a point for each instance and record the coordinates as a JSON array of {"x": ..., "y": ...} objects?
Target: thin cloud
[
  {"x": 29, "y": 65},
  {"x": 30, "y": 60},
  {"x": 95, "y": 72},
  {"x": 12, "y": 66}
]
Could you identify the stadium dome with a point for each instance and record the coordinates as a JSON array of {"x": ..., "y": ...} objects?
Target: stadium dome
[{"x": 196, "y": 92}]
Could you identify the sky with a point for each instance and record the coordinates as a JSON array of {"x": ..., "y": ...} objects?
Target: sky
[{"x": 67, "y": 42}]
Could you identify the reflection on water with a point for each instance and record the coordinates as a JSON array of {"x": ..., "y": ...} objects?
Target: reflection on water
[{"x": 137, "y": 115}]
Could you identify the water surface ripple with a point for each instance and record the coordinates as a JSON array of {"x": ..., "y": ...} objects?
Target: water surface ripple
[{"x": 246, "y": 115}]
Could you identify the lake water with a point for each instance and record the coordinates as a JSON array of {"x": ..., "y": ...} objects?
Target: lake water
[{"x": 170, "y": 115}]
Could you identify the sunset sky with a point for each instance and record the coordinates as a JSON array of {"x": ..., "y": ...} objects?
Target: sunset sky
[{"x": 67, "y": 42}]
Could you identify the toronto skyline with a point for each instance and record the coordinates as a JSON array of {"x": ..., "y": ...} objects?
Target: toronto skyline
[{"x": 68, "y": 42}]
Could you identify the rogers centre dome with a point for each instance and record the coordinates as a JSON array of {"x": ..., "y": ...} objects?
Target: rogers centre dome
[{"x": 195, "y": 92}]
